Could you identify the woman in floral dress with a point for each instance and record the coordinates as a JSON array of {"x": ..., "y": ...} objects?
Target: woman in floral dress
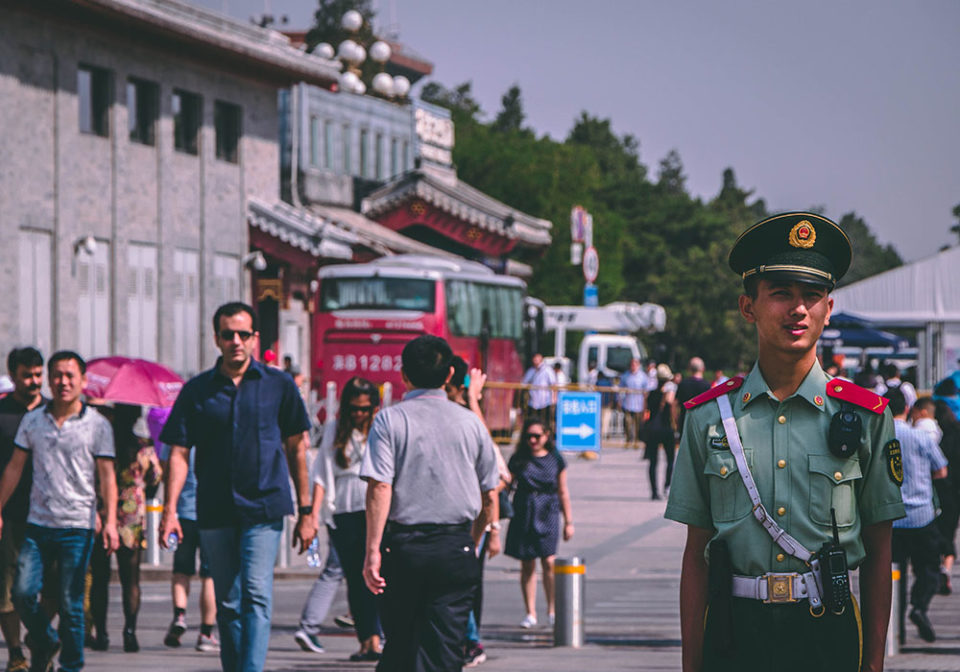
[{"x": 138, "y": 470}]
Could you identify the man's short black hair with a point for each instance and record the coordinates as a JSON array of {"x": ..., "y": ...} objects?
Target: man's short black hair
[
  {"x": 898, "y": 403},
  {"x": 460, "y": 368},
  {"x": 946, "y": 388},
  {"x": 231, "y": 309},
  {"x": 28, "y": 357},
  {"x": 64, "y": 356},
  {"x": 426, "y": 361}
]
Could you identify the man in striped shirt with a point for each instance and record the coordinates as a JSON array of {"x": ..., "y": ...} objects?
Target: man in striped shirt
[{"x": 915, "y": 538}]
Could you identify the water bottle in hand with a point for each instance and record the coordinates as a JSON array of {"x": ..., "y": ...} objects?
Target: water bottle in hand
[
  {"x": 313, "y": 553},
  {"x": 172, "y": 542}
]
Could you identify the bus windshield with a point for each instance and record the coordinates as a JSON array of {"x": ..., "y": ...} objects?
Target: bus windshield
[
  {"x": 470, "y": 304},
  {"x": 378, "y": 293}
]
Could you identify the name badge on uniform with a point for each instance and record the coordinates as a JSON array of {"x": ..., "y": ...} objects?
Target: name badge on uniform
[
  {"x": 894, "y": 461},
  {"x": 719, "y": 443}
]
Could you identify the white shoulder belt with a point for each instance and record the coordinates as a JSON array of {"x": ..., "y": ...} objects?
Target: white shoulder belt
[{"x": 779, "y": 535}]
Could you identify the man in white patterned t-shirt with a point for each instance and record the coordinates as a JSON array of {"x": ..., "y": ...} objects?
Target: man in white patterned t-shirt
[{"x": 69, "y": 445}]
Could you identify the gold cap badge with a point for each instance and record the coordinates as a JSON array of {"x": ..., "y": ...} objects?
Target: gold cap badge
[{"x": 803, "y": 235}]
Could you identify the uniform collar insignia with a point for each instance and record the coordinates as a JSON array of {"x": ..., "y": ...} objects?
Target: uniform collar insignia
[{"x": 812, "y": 387}]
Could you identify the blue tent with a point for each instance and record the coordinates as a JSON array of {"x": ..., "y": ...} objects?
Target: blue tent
[{"x": 846, "y": 330}]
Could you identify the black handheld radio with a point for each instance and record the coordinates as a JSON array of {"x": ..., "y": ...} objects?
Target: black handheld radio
[{"x": 834, "y": 571}]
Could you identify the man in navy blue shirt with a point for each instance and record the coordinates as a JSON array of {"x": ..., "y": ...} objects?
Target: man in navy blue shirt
[{"x": 249, "y": 426}]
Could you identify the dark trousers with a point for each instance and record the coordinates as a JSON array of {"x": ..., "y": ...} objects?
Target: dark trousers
[
  {"x": 432, "y": 573},
  {"x": 633, "y": 424},
  {"x": 349, "y": 537},
  {"x": 831, "y": 642},
  {"x": 921, "y": 548},
  {"x": 652, "y": 453}
]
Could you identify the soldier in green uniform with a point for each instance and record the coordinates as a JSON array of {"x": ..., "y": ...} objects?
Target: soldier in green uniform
[{"x": 762, "y": 584}]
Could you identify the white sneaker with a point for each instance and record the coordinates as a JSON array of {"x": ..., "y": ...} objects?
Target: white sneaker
[
  {"x": 207, "y": 643},
  {"x": 528, "y": 621},
  {"x": 308, "y": 642},
  {"x": 553, "y": 618}
]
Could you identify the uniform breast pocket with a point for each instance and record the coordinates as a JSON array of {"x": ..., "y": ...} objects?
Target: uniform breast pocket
[
  {"x": 728, "y": 495},
  {"x": 833, "y": 483}
]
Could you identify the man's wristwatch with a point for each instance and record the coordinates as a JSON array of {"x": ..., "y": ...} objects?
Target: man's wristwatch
[
  {"x": 495, "y": 525},
  {"x": 304, "y": 510}
]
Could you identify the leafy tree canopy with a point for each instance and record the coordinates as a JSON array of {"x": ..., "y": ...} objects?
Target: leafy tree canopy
[{"x": 656, "y": 242}]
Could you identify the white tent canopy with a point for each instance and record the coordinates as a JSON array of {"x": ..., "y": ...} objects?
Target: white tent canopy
[{"x": 924, "y": 294}]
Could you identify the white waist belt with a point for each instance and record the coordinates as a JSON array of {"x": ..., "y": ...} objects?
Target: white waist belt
[{"x": 773, "y": 587}]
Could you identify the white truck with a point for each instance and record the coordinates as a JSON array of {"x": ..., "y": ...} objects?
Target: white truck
[{"x": 611, "y": 349}]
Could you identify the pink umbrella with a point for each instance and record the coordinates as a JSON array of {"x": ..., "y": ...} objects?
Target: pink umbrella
[{"x": 132, "y": 381}]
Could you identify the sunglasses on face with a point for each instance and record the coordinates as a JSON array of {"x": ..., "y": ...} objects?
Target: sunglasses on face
[
  {"x": 228, "y": 334},
  {"x": 360, "y": 409},
  {"x": 535, "y": 437}
]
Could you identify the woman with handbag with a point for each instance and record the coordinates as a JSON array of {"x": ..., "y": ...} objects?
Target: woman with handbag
[{"x": 659, "y": 430}]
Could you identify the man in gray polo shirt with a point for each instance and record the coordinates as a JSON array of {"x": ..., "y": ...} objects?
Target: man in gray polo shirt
[{"x": 432, "y": 472}]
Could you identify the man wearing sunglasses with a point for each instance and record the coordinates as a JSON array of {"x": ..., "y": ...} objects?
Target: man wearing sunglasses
[{"x": 249, "y": 426}]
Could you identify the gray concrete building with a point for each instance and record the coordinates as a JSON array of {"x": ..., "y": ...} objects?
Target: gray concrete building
[{"x": 133, "y": 134}]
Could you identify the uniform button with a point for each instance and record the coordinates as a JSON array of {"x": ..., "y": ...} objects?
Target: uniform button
[
  {"x": 782, "y": 419},
  {"x": 781, "y": 463},
  {"x": 838, "y": 475},
  {"x": 781, "y": 557},
  {"x": 723, "y": 471},
  {"x": 781, "y": 511}
]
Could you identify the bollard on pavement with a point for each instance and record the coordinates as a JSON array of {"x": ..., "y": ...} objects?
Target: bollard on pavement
[
  {"x": 152, "y": 531},
  {"x": 387, "y": 394},
  {"x": 895, "y": 629},
  {"x": 569, "y": 576}
]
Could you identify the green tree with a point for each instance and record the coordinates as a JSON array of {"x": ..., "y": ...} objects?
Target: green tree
[
  {"x": 955, "y": 229},
  {"x": 459, "y": 100},
  {"x": 869, "y": 256},
  {"x": 670, "y": 177},
  {"x": 510, "y": 117}
]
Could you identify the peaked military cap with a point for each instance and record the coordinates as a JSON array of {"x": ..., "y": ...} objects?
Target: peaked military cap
[{"x": 800, "y": 246}]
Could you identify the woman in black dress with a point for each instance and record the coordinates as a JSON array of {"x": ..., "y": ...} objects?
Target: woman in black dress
[{"x": 540, "y": 475}]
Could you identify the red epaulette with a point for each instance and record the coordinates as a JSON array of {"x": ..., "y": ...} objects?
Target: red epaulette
[
  {"x": 844, "y": 390},
  {"x": 714, "y": 392}
]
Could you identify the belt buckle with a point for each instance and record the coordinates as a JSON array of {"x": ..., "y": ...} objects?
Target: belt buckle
[{"x": 780, "y": 589}]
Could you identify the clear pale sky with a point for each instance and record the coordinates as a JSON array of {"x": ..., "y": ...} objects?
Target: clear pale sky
[{"x": 848, "y": 104}]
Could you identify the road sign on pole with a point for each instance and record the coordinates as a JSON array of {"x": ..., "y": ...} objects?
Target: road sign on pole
[
  {"x": 591, "y": 264},
  {"x": 591, "y": 299},
  {"x": 578, "y": 421}
]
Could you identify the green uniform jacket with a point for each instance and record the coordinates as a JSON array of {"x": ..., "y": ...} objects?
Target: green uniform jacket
[{"x": 799, "y": 479}]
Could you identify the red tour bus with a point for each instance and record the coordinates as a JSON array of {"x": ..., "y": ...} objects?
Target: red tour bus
[{"x": 367, "y": 312}]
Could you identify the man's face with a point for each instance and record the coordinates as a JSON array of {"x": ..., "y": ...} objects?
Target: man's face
[
  {"x": 790, "y": 316},
  {"x": 537, "y": 360},
  {"x": 27, "y": 381},
  {"x": 634, "y": 365},
  {"x": 236, "y": 339},
  {"x": 66, "y": 381}
]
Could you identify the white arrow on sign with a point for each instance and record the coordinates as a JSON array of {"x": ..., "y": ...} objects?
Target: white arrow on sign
[{"x": 583, "y": 431}]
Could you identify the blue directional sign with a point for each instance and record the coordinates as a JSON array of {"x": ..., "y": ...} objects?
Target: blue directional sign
[
  {"x": 578, "y": 421},
  {"x": 591, "y": 299}
]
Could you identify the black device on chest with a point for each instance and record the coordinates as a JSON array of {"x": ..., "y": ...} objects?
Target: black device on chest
[
  {"x": 846, "y": 428},
  {"x": 834, "y": 571}
]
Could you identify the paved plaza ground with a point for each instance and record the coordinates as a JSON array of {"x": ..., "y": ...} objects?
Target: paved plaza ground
[{"x": 632, "y": 612}]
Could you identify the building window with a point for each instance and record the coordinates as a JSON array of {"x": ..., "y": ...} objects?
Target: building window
[
  {"x": 93, "y": 96},
  {"x": 35, "y": 290},
  {"x": 378, "y": 157},
  {"x": 186, "y": 312},
  {"x": 347, "y": 160},
  {"x": 94, "y": 301},
  {"x": 226, "y": 120},
  {"x": 226, "y": 275},
  {"x": 143, "y": 100},
  {"x": 142, "y": 301},
  {"x": 407, "y": 165},
  {"x": 314, "y": 142},
  {"x": 328, "y": 145},
  {"x": 187, "y": 115},
  {"x": 394, "y": 157},
  {"x": 364, "y": 154}
]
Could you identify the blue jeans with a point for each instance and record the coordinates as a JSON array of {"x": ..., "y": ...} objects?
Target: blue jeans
[
  {"x": 321, "y": 595},
  {"x": 241, "y": 562},
  {"x": 42, "y": 546}
]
